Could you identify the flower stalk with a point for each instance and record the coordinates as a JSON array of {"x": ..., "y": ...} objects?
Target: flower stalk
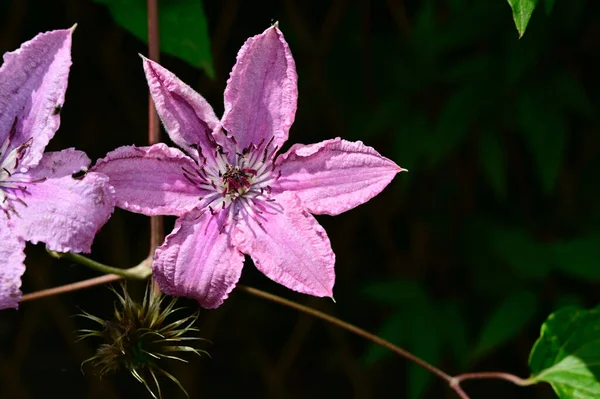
[
  {"x": 156, "y": 222},
  {"x": 138, "y": 272}
]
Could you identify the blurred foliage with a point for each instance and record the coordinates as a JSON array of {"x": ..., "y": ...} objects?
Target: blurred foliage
[
  {"x": 183, "y": 28},
  {"x": 567, "y": 354},
  {"x": 496, "y": 225},
  {"x": 461, "y": 86}
]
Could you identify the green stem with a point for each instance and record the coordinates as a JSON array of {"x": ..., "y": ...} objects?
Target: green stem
[{"x": 139, "y": 272}]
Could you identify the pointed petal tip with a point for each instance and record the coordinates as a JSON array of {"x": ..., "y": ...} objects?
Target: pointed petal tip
[
  {"x": 72, "y": 29},
  {"x": 333, "y": 299}
]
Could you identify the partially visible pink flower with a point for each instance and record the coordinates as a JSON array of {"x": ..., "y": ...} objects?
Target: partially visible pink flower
[
  {"x": 232, "y": 194},
  {"x": 40, "y": 201}
]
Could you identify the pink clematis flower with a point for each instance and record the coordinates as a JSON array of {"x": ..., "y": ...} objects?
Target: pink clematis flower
[
  {"x": 40, "y": 201},
  {"x": 232, "y": 194}
]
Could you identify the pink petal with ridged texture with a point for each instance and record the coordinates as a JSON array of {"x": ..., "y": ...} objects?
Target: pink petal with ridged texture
[
  {"x": 262, "y": 91},
  {"x": 33, "y": 81},
  {"x": 11, "y": 266},
  {"x": 63, "y": 212},
  {"x": 334, "y": 176},
  {"x": 198, "y": 261},
  {"x": 289, "y": 246},
  {"x": 188, "y": 119},
  {"x": 150, "y": 180}
]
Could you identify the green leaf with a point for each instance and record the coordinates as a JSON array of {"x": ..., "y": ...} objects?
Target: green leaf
[
  {"x": 506, "y": 321},
  {"x": 548, "y": 6},
  {"x": 568, "y": 300},
  {"x": 395, "y": 330},
  {"x": 400, "y": 293},
  {"x": 522, "y": 10},
  {"x": 454, "y": 326},
  {"x": 491, "y": 157},
  {"x": 518, "y": 249},
  {"x": 567, "y": 354},
  {"x": 426, "y": 343},
  {"x": 579, "y": 257},
  {"x": 571, "y": 94},
  {"x": 545, "y": 132},
  {"x": 183, "y": 28},
  {"x": 455, "y": 119},
  {"x": 416, "y": 326},
  {"x": 412, "y": 139}
]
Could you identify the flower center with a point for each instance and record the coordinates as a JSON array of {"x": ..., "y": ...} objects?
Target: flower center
[
  {"x": 238, "y": 182},
  {"x": 13, "y": 183}
]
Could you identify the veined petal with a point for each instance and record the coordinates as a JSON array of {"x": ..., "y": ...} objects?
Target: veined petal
[
  {"x": 198, "y": 261},
  {"x": 189, "y": 120},
  {"x": 262, "y": 91},
  {"x": 33, "y": 81},
  {"x": 151, "y": 180},
  {"x": 63, "y": 212},
  {"x": 11, "y": 266},
  {"x": 289, "y": 246},
  {"x": 334, "y": 176}
]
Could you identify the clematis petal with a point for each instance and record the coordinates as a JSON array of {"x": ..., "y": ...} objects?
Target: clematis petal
[
  {"x": 289, "y": 246},
  {"x": 62, "y": 211},
  {"x": 11, "y": 266},
  {"x": 150, "y": 180},
  {"x": 188, "y": 118},
  {"x": 262, "y": 91},
  {"x": 198, "y": 261},
  {"x": 33, "y": 81},
  {"x": 334, "y": 176}
]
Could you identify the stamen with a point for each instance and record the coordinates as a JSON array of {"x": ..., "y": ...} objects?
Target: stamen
[{"x": 267, "y": 149}]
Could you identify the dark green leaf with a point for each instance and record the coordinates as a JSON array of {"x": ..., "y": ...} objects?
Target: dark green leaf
[
  {"x": 571, "y": 94},
  {"x": 567, "y": 354},
  {"x": 395, "y": 329},
  {"x": 413, "y": 140},
  {"x": 545, "y": 131},
  {"x": 456, "y": 117},
  {"x": 466, "y": 70},
  {"x": 507, "y": 321},
  {"x": 491, "y": 157},
  {"x": 183, "y": 28},
  {"x": 522, "y": 10},
  {"x": 396, "y": 292},
  {"x": 426, "y": 343},
  {"x": 548, "y": 6},
  {"x": 518, "y": 249},
  {"x": 454, "y": 325},
  {"x": 568, "y": 300},
  {"x": 415, "y": 326},
  {"x": 579, "y": 257}
]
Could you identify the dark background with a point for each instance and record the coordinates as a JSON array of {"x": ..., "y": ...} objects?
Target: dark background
[{"x": 460, "y": 260}]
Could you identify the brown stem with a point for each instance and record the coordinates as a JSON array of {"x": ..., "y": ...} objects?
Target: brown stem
[
  {"x": 459, "y": 391},
  {"x": 349, "y": 327},
  {"x": 453, "y": 382},
  {"x": 156, "y": 222},
  {"x": 80, "y": 285},
  {"x": 489, "y": 375}
]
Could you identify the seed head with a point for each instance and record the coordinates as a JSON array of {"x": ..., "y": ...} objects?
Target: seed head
[{"x": 139, "y": 338}]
